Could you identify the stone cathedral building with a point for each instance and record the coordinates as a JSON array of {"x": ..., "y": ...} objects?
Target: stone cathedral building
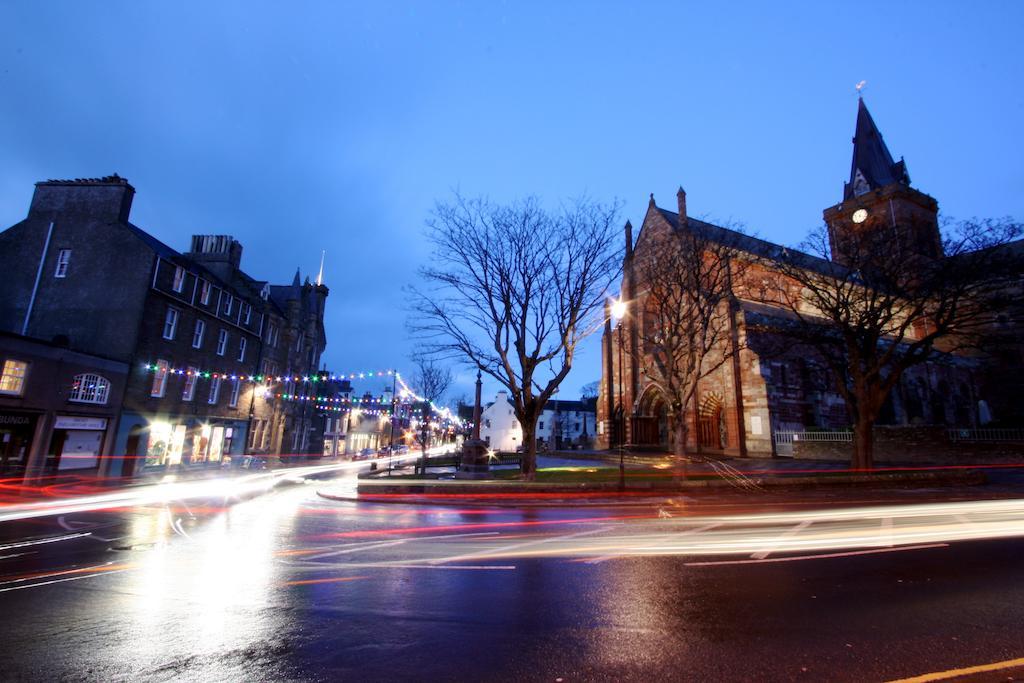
[{"x": 763, "y": 391}]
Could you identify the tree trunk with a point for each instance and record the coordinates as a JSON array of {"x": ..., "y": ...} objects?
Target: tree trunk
[
  {"x": 864, "y": 444},
  {"x": 529, "y": 466},
  {"x": 680, "y": 433}
]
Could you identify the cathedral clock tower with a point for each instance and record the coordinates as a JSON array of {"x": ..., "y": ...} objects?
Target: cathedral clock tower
[{"x": 878, "y": 201}]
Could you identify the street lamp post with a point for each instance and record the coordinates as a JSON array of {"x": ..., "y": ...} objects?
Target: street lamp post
[{"x": 619, "y": 312}]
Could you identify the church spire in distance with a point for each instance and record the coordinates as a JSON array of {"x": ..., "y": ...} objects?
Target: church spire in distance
[{"x": 872, "y": 166}]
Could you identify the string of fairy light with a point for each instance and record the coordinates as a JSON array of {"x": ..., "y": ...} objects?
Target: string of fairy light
[{"x": 376, "y": 406}]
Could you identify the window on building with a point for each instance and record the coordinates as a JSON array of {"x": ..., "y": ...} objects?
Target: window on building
[
  {"x": 272, "y": 333},
  {"x": 246, "y": 313},
  {"x": 222, "y": 342},
  {"x": 12, "y": 380},
  {"x": 179, "y": 279},
  {"x": 63, "y": 259},
  {"x": 89, "y": 388},
  {"x": 197, "y": 336},
  {"x": 170, "y": 323},
  {"x": 228, "y": 303},
  {"x": 298, "y": 344},
  {"x": 204, "y": 292},
  {"x": 229, "y": 438},
  {"x": 190, "y": 384},
  {"x": 241, "y": 349},
  {"x": 540, "y": 425},
  {"x": 265, "y": 292},
  {"x": 214, "y": 390},
  {"x": 160, "y": 379},
  {"x": 235, "y": 387}
]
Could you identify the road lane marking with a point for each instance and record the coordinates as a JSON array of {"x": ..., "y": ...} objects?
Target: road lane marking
[
  {"x": 515, "y": 546},
  {"x": 605, "y": 558},
  {"x": 761, "y": 554},
  {"x": 820, "y": 557},
  {"x": 70, "y": 578},
  {"x": 887, "y": 531},
  {"x": 966, "y": 671},
  {"x": 53, "y": 539}
]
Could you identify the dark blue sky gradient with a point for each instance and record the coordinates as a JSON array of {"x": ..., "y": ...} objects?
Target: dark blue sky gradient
[{"x": 306, "y": 126}]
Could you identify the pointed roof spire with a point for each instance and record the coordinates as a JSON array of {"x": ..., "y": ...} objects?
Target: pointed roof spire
[
  {"x": 320, "y": 275},
  {"x": 872, "y": 166},
  {"x": 297, "y": 282}
]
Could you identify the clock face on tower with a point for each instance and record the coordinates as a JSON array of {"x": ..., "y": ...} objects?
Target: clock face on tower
[{"x": 860, "y": 215}]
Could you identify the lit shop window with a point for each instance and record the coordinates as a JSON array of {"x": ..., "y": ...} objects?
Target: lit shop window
[
  {"x": 165, "y": 444},
  {"x": 88, "y": 388},
  {"x": 12, "y": 380}
]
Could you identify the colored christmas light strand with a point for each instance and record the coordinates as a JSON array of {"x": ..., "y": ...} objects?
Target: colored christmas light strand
[{"x": 153, "y": 367}]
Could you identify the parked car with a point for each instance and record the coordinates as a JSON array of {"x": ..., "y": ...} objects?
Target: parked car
[{"x": 366, "y": 453}]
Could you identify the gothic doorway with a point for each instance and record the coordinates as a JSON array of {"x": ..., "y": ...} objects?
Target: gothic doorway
[
  {"x": 711, "y": 422},
  {"x": 651, "y": 424}
]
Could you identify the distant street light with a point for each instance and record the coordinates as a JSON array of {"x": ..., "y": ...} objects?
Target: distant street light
[{"x": 619, "y": 312}]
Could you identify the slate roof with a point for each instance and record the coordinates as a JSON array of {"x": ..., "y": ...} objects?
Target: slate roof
[
  {"x": 751, "y": 245},
  {"x": 871, "y": 159}
]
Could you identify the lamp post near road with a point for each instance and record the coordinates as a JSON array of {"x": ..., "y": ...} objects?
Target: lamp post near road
[{"x": 619, "y": 312}]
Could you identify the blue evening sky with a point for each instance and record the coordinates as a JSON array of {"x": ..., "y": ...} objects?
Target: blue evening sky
[{"x": 305, "y": 126}]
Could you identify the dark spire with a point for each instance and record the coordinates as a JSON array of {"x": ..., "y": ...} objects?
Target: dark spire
[
  {"x": 297, "y": 282},
  {"x": 872, "y": 165}
]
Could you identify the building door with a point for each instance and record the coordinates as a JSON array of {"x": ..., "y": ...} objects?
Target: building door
[{"x": 708, "y": 433}]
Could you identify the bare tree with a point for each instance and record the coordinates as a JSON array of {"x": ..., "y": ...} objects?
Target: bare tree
[
  {"x": 431, "y": 381},
  {"x": 878, "y": 310},
  {"x": 686, "y": 305},
  {"x": 513, "y": 289},
  {"x": 589, "y": 391}
]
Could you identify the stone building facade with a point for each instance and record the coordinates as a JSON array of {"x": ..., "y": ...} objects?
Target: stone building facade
[
  {"x": 767, "y": 387},
  {"x": 193, "y": 328}
]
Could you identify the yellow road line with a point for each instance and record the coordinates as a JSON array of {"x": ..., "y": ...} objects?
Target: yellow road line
[{"x": 955, "y": 673}]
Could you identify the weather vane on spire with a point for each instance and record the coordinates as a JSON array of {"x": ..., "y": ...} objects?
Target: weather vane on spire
[{"x": 860, "y": 88}]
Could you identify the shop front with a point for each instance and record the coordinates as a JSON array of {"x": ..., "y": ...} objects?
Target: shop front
[
  {"x": 17, "y": 430},
  {"x": 76, "y": 444},
  {"x": 167, "y": 443}
]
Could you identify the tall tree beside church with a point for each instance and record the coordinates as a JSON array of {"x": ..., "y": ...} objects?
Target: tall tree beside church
[
  {"x": 879, "y": 310},
  {"x": 512, "y": 290},
  {"x": 685, "y": 300}
]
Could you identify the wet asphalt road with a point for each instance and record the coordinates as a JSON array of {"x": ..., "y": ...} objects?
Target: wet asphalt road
[{"x": 290, "y": 586}]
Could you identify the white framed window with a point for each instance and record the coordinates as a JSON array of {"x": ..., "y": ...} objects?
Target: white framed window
[
  {"x": 63, "y": 259},
  {"x": 160, "y": 379},
  {"x": 197, "y": 336},
  {"x": 89, "y": 388},
  {"x": 179, "y": 279},
  {"x": 222, "y": 342},
  {"x": 12, "y": 379},
  {"x": 298, "y": 343},
  {"x": 204, "y": 292},
  {"x": 190, "y": 384},
  {"x": 214, "y": 390},
  {"x": 272, "y": 333},
  {"x": 228, "y": 302},
  {"x": 170, "y": 323},
  {"x": 247, "y": 315},
  {"x": 241, "y": 349},
  {"x": 235, "y": 387}
]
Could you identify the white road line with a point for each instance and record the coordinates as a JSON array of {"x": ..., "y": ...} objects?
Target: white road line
[
  {"x": 826, "y": 556},
  {"x": 53, "y": 539},
  {"x": 72, "y": 578},
  {"x": 605, "y": 558},
  {"x": 761, "y": 554},
  {"x": 516, "y": 546},
  {"x": 887, "y": 531}
]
